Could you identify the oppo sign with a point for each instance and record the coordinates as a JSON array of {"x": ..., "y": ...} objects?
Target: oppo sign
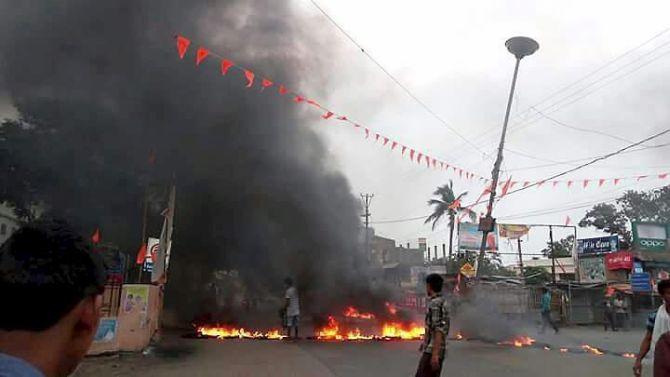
[{"x": 651, "y": 236}]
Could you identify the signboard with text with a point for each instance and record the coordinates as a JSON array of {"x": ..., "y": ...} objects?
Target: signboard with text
[
  {"x": 640, "y": 282},
  {"x": 622, "y": 260},
  {"x": 597, "y": 245},
  {"x": 651, "y": 236}
]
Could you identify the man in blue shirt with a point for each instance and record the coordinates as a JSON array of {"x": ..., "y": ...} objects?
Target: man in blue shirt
[
  {"x": 53, "y": 284},
  {"x": 546, "y": 311}
]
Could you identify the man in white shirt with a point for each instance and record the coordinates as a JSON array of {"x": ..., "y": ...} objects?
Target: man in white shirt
[
  {"x": 291, "y": 307},
  {"x": 658, "y": 324}
]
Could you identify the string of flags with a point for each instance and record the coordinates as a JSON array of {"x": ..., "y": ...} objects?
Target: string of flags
[{"x": 254, "y": 80}]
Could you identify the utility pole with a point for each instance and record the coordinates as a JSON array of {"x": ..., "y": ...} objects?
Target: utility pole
[
  {"x": 553, "y": 256},
  {"x": 519, "y": 47},
  {"x": 435, "y": 249},
  {"x": 518, "y": 242},
  {"x": 367, "y": 199},
  {"x": 444, "y": 252}
]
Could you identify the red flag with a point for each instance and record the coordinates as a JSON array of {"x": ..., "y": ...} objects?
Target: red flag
[
  {"x": 554, "y": 184},
  {"x": 386, "y": 141},
  {"x": 418, "y": 158},
  {"x": 357, "y": 125},
  {"x": 298, "y": 99},
  {"x": 616, "y": 181},
  {"x": 376, "y": 137},
  {"x": 95, "y": 238},
  {"x": 460, "y": 173},
  {"x": 393, "y": 145},
  {"x": 569, "y": 184},
  {"x": 525, "y": 184},
  {"x": 434, "y": 163},
  {"x": 182, "y": 46},
  {"x": 539, "y": 184},
  {"x": 404, "y": 148},
  {"x": 342, "y": 117},
  {"x": 663, "y": 176},
  {"x": 411, "y": 154},
  {"x": 601, "y": 182},
  {"x": 282, "y": 90},
  {"x": 265, "y": 83},
  {"x": 586, "y": 182},
  {"x": 327, "y": 115},
  {"x": 567, "y": 220},
  {"x": 225, "y": 66},
  {"x": 250, "y": 77},
  {"x": 441, "y": 165},
  {"x": 455, "y": 204},
  {"x": 506, "y": 186},
  {"x": 367, "y": 133},
  {"x": 427, "y": 160},
  {"x": 641, "y": 177},
  {"x": 141, "y": 254},
  {"x": 200, "y": 55},
  {"x": 511, "y": 184},
  {"x": 314, "y": 103}
]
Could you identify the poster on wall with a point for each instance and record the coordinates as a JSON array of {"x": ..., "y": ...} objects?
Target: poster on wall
[
  {"x": 106, "y": 330},
  {"x": 470, "y": 238},
  {"x": 591, "y": 270}
]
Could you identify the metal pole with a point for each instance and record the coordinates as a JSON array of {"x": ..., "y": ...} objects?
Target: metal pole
[
  {"x": 496, "y": 167},
  {"x": 518, "y": 242},
  {"x": 553, "y": 257}
]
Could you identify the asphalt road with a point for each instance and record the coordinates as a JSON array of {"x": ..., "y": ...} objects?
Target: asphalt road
[{"x": 211, "y": 357}]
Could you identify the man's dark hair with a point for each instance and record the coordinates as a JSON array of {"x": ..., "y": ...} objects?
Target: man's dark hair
[
  {"x": 435, "y": 282},
  {"x": 46, "y": 269},
  {"x": 288, "y": 281},
  {"x": 663, "y": 285}
]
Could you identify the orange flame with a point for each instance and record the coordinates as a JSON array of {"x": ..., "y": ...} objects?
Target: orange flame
[
  {"x": 352, "y": 312},
  {"x": 331, "y": 331},
  {"x": 391, "y": 330},
  {"x": 459, "y": 336},
  {"x": 519, "y": 341},
  {"x": 563, "y": 350},
  {"x": 629, "y": 355},
  {"x": 592, "y": 350},
  {"x": 223, "y": 332},
  {"x": 397, "y": 330}
]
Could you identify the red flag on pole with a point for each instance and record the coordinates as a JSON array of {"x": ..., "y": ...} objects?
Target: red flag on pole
[
  {"x": 95, "y": 238},
  {"x": 250, "y": 77},
  {"x": 200, "y": 55},
  {"x": 506, "y": 186},
  {"x": 225, "y": 66},
  {"x": 182, "y": 46},
  {"x": 141, "y": 254}
]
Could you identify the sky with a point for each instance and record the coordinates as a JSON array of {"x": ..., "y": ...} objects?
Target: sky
[{"x": 451, "y": 55}]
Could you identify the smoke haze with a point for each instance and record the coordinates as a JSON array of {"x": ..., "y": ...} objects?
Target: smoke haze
[{"x": 103, "y": 86}]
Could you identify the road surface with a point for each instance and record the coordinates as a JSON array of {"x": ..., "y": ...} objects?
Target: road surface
[{"x": 211, "y": 357}]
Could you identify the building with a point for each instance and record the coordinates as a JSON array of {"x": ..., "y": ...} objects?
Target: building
[
  {"x": 391, "y": 263},
  {"x": 9, "y": 223},
  {"x": 565, "y": 267}
]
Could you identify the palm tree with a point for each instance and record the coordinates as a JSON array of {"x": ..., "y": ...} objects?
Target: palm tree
[{"x": 446, "y": 204}]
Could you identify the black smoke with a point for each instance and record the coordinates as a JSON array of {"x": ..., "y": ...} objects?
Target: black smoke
[{"x": 99, "y": 88}]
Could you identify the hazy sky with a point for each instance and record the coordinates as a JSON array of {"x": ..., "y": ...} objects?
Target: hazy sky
[{"x": 452, "y": 56}]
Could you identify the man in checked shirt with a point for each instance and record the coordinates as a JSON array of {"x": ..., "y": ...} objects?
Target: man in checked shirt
[{"x": 434, "y": 343}]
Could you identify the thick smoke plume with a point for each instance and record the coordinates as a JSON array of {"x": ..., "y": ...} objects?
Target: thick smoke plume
[{"x": 101, "y": 88}]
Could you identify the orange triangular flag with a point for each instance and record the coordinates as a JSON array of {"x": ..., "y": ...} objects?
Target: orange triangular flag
[
  {"x": 200, "y": 55},
  {"x": 601, "y": 182},
  {"x": 250, "y": 77},
  {"x": 567, "y": 220},
  {"x": 182, "y": 46},
  {"x": 95, "y": 238},
  {"x": 586, "y": 182}
]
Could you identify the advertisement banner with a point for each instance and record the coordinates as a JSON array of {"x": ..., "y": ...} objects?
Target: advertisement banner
[
  {"x": 106, "y": 330},
  {"x": 622, "y": 260},
  {"x": 513, "y": 231},
  {"x": 640, "y": 282},
  {"x": 651, "y": 236},
  {"x": 470, "y": 238},
  {"x": 591, "y": 270},
  {"x": 597, "y": 245}
]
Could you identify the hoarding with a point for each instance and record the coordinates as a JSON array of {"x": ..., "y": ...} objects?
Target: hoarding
[
  {"x": 622, "y": 260},
  {"x": 470, "y": 238},
  {"x": 591, "y": 270},
  {"x": 513, "y": 231},
  {"x": 597, "y": 245},
  {"x": 651, "y": 236}
]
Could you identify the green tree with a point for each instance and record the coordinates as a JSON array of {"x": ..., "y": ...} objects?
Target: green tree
[
  {"x": 562, "y": 247},
  {"x": 447, "y": 204},
  {"x": 536, "y": 275},
  {"x": 615, "y": 218}
]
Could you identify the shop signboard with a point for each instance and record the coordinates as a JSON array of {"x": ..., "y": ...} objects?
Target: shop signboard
[
  {"x": 597, "y": 245},
  {"x": 622, "y": 260},
  {"x": 640, "y": 282},
  {"x": 651, "y": 236}
]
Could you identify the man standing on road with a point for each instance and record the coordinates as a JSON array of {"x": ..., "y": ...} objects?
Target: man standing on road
[
  {"x": 53, "y": 285},
  {"x": 434, "y": 344},
  {"x": 546, "y": 311},
  {"x": 658, "y": 324},
  {"x": 291, "y": 307}
]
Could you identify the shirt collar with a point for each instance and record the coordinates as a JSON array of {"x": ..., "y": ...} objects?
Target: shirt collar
[{"x": 16, "y": 367}]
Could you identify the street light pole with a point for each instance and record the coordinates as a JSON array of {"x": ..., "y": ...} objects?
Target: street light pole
[{"x": 519, "y": 47}]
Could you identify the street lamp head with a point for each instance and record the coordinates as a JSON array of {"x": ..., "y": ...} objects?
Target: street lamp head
[{"x": 521, "y": 46}]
